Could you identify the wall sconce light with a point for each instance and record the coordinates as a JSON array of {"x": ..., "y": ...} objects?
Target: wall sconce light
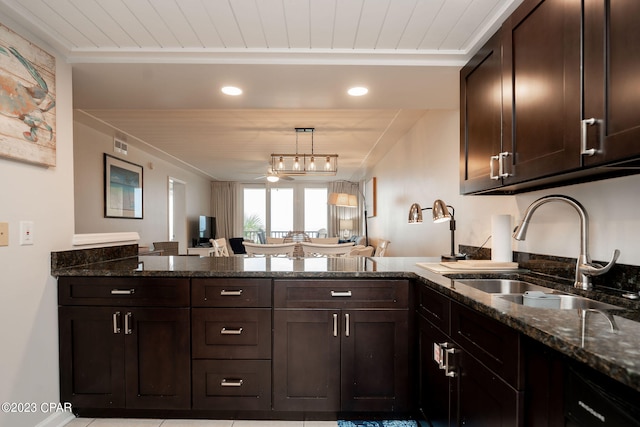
[{"x": 441, "y": 213}]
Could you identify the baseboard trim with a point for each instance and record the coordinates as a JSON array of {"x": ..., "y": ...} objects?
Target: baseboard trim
[{"x": 58, "y": 419}]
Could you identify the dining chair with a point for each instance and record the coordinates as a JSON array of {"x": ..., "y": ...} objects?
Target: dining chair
[
  {"x": 297, "y": 236},
  {"x": 167, "y": 248},
  {"x": 270, "y": 249},
  {"x": 362, "y": 250},
  {"x": 325, "y": 240},
  {"x": 220, "y": 247},
  {"x": 381, "y": 249},
  {"x": 310, "y": 249}
]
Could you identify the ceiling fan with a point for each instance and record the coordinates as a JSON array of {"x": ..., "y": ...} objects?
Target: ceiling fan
[{"x": 273, "y": 176}]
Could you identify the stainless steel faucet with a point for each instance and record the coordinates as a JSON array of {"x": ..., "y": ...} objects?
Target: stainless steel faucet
[{"x": 585, "y": 269}]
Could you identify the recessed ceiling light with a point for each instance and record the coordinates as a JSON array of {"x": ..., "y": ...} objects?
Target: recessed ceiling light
[
  {"x": 358, "y": 91},
  {"x": 232, "y": 90}
]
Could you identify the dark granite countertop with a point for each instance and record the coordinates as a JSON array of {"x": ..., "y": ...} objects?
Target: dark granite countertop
[{"x": 591, "y": 340}]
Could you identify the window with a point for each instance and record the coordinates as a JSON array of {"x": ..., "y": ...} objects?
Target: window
[
  {"x": 282, "y": 212},
  {"x": 315, "y": 210},
  {"x": 255, "y": 213},
  {"x": 276, "y": 210}
]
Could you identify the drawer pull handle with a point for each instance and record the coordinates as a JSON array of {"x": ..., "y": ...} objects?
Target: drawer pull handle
[
  {"x": 116, "y": 322},
  {"x": 230, "y": 383},
  {"x": 340, "y": 293},
  {"x": 225, "y": 331},
  {"x": 123, "y": 291},
  {"x": 227, "y": 293}
]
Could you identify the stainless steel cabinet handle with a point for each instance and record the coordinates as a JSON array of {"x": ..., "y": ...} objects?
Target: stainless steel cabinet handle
[
  {"x": 346, "y": 326},
  {"x": 583, "y": 137},
  {"x": 227, "y": 293},
  {"x": 231, "y": 382},
  {"x": 340, "y": 293},
  {"x": 448, "y": 370},
  {"x": 127, "y": 323},
  {"x": 123, "y": 291},
  {"x": 116, "y": 322},
  {"x": 492, "y": 175},
  {"x": 225, "y": 331},
  {"x": 501, "y": 168},
  {"x": 441, "y": 353},
  {"x": 335, "y": 324}
]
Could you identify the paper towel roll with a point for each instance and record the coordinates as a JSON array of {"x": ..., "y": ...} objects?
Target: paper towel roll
[{"x": 501, "y": 238}]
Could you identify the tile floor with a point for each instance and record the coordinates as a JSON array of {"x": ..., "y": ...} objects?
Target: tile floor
[{"x": 119, "y": 422}]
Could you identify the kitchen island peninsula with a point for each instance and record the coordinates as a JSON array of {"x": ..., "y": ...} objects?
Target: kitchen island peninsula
[{"x": 318, "y": 338}]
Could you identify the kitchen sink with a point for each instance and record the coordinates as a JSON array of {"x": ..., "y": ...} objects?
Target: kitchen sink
[
  {"x": 566, "y": 302},
  {"x": 514, "y": 290},
  {"x": 503, "y": 286}
]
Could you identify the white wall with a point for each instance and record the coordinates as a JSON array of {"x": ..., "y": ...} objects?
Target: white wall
[
  {"x": 28, "y": 293},
  {"x": 91, "y": 141},
  {"x": 423, "y": 166}
]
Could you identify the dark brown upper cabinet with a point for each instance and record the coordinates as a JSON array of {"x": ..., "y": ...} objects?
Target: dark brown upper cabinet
[
  {"x": 611, "y": 84},
  {"x": 568, "y": 104},
  {"x": 481, "y": 119},
  {"x": 541, "y": 88}
]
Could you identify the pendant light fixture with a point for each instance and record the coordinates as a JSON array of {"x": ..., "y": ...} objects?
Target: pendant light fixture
[{"x": 304, "y": 164}]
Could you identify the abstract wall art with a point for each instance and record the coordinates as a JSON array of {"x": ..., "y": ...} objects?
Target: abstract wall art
[{"x": 27, "y": 101}]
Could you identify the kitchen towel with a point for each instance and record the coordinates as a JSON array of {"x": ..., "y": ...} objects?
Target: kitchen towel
[{"x": 501, "y": 238}]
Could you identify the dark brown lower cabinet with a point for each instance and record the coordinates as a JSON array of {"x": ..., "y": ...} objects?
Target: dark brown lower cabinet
[
  {"x": 340, "y": 360},
  {"x": 437, "y": 392},
  {"x": 125, "y": 357},
  {"x": 469, "y": 373},
  {"x": 231, "y": 344}
]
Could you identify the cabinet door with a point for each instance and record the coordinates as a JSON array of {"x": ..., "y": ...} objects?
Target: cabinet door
[
  {"x": 611, "y": 69},
  {"x": 91, "y": 357},
  {"x": 158, "y": 359},
  {"x": 375, "y": 360},
  {"x": 483, "y": 398},
  {"x": 436, "y": 391},
  {"x": 306, "y": 360},
  {"x": 544, "y": 385},
  {"x": 542, "y": 87},
  {"x": 481, "y": 118}
]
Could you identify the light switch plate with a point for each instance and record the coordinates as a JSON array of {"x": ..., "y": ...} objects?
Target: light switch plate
[{"x": 4, "y": 234}]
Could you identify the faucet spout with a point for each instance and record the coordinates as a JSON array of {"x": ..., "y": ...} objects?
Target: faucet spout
[{"x": 585, "y": 269}]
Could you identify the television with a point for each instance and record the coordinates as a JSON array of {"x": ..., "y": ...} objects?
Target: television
[{"x": 206, "y": 229}]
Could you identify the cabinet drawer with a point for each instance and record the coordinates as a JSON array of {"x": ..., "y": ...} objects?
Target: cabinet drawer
[
  {"x": 341, "y": 293},
  {"x": 123, "y": 291},
  {"x": 230, "y": 333},
  {"x": 231, "y": 293},
  {"x": 434, "y": 307},
  {"x": 232, "y": 384},
  {"x": 496, "y": 345}
]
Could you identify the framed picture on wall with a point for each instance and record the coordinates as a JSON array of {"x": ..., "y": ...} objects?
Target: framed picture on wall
[
  {"x": 370, "y": 197},
  {"x": 27, "y": 101},
  {"x": 122, "y": 188}
]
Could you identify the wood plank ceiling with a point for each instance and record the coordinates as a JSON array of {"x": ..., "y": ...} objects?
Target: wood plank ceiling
[{"x": 152, "y": 71}]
